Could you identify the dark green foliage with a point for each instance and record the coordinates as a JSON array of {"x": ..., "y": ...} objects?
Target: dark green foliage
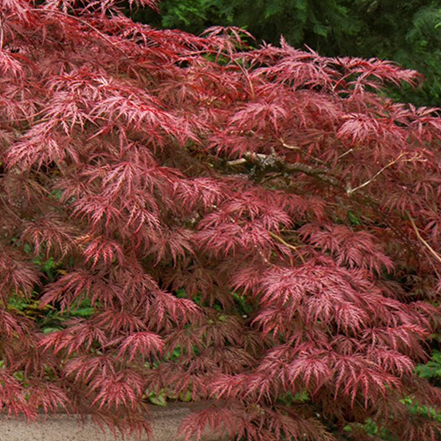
[
  {"x": 407, "y": 32},
  {"x": 432, "y": 370},
  {"x": 190, "y": 15},
  {"x": 299, "y": 21}
]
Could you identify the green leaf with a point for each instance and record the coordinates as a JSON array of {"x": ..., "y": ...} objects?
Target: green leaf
[
  {"x": 82, "y": 312},
  {"x": 158, "y": 399},
  {"x": 50, "y": 329},
  {"x": 185, "y": 396}
]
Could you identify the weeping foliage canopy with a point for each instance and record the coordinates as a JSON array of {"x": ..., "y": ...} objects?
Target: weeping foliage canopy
[
  {"x": 258, "y": 228},
  {"x": 408, "y": 32}
]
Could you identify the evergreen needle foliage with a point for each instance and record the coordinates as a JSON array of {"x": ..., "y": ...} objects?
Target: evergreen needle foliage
[{"x": 258, "y": 227}]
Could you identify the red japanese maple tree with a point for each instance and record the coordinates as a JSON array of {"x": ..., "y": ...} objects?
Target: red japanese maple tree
[{"x": 259, "y": 228}]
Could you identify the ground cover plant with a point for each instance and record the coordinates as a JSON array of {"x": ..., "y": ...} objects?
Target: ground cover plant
[{"x": 186, "y": 218}]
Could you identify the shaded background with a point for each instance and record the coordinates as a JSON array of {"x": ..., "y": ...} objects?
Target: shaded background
[{"x": 408, "y": 32}]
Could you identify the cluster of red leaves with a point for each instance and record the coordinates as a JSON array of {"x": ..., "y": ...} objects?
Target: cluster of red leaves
[{"x": 149, "y": 162}]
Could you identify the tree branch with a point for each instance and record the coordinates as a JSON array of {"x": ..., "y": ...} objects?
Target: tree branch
[
  {"x": 422, "y": 240},
  {"x": 284, "y": 242},
  {"x": 350, "y": 191},
  {"x": 296, "y": 167}
]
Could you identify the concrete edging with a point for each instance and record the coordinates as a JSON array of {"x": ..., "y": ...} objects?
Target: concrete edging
[{"x": 63, "y": 427}]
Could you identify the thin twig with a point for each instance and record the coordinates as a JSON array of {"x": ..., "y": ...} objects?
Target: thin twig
[
  {"x": 353, "y": 190},
  {"x": 284, "y": 242},
  {"x": 299, "y": 149},
  {"x": 346, "y": 153},
  {"x": 289, "y": 147},
  {"x": 422, "y": 240}
]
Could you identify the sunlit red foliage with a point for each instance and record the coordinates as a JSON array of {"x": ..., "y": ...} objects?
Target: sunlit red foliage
[{"x": 173, "y": 177}]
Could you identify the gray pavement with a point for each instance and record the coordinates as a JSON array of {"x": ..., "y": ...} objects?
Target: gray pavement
[{"x": 61, "y": 427}]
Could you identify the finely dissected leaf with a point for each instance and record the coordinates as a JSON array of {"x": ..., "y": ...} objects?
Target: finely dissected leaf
[{"x": 143, "y": 343}]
